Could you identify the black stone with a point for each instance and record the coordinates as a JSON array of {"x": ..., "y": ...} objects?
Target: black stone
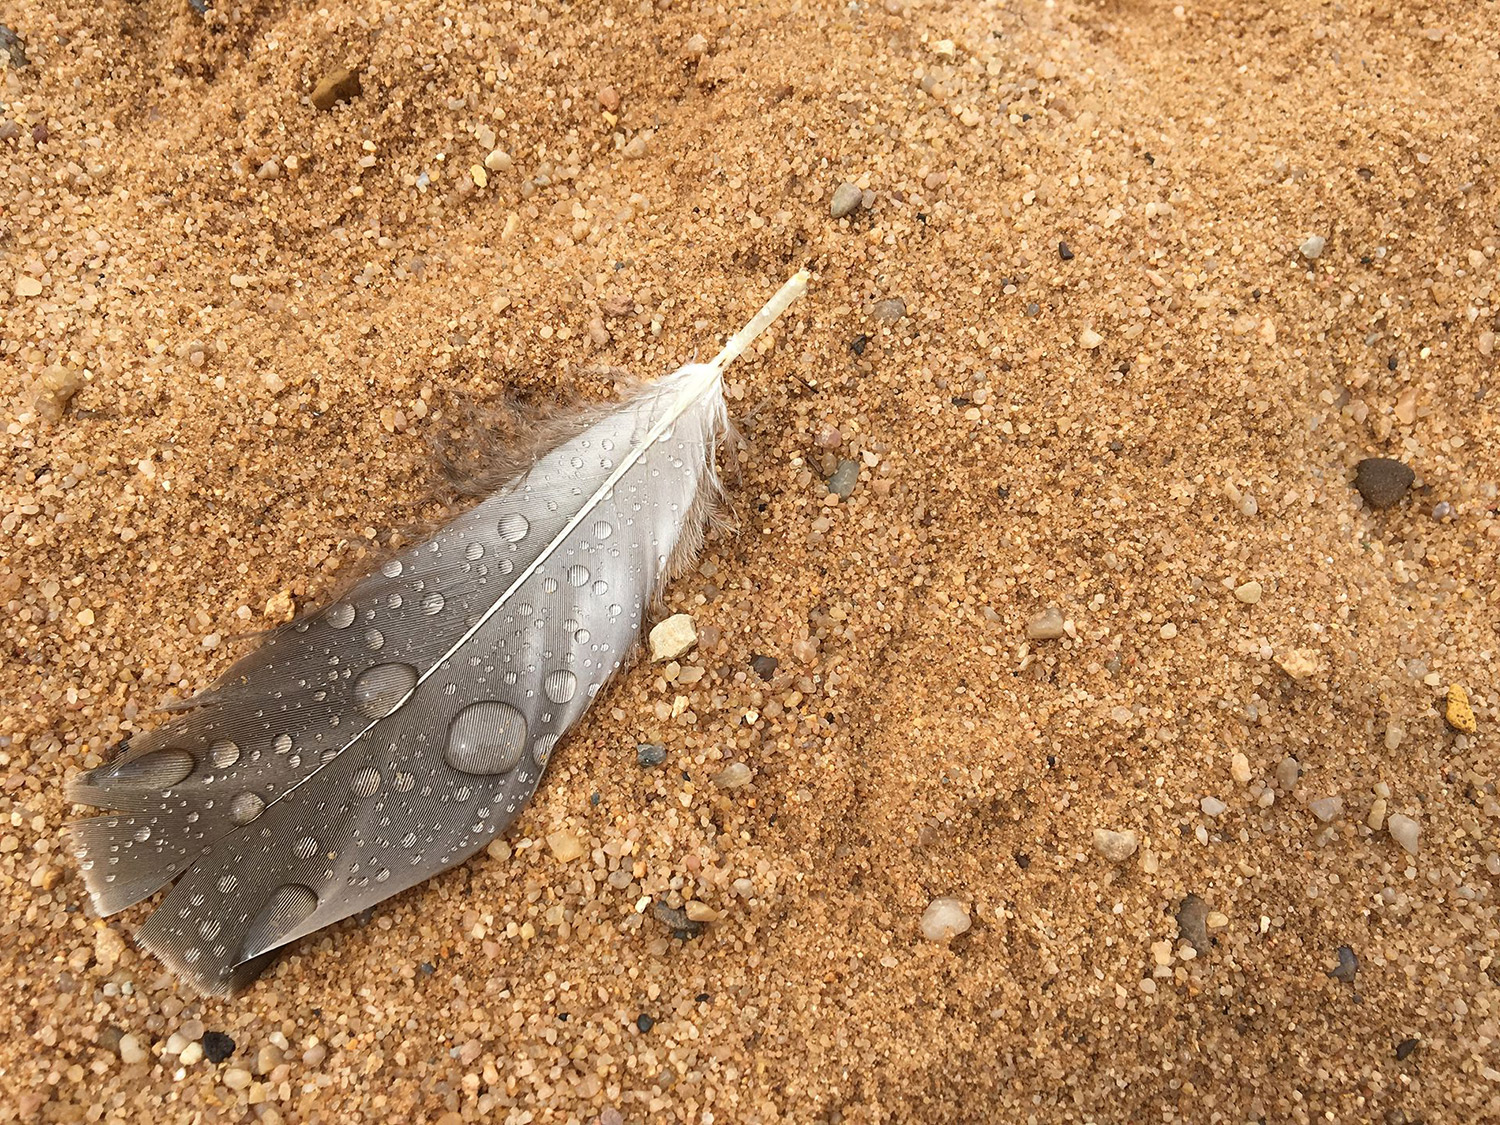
[
  {"x": 644, "y": 1022},
  {"x": 1382, "y": 481},
  {"x": 1063, "y": 252},
  {"x": 1347, "y": 967},
  {"x": 217, "y": 1046},
  {"x": 763, "y": 666},
  {"x": 857, "y": 345},
  {"x": 1405, "y": 1048}
]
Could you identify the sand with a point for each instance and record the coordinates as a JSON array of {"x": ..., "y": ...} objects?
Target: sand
[{"x": 232, "y": 324}]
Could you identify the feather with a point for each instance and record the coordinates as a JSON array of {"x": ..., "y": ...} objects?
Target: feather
[{"x": 369, "y": 746}]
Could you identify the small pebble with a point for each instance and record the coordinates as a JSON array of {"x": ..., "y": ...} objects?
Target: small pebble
[
  {"x": 1212, "y": 806},
  {"x": 1249, "y": 592},
  {"x": 336, "y": 86},
  {"x": 650, "y": 754},
  {"x": 1382, "y": 481},
  {"x": 1347, "y": 967},
  {"x": 236, "y": 1078},
  {"x": 565, "y": 846},
  {"x": 676, "y": 920},
  {"x": 1405, "y": 1048},
  {"x": 764, "y": 666},
  {"x": 1239, "y": 768},
  {"x": 644, "y": 1022},
  {"x": 609, "y": 99},
  {"x": 12, "y": 50},
  {"x": 890, "y": 310},
  {"x": 1089, "y": 339},
  {"x": 1326, "y": 808},
  {"x": 1405, "y": 831},
  {"x": 1375, "y": 821},
  {"x": 217, "y": 1046},
  {"x": 1169, "y": 631},
  {"x": 1458, "y": 714},
  {"x": 191, "y": 1055},
  {"x": 1298, "y": 663},
  {"x": 736, "y": 775},
  {"x": 846, "y": 200},
  {"x": 131, "y": 1050},
  {"x": 1442, "y": 510},
  {"x": 944, "y": 919},
  {"x": 701, "y": 912},
  {"x": 1312, "y": 248},
  {"x": 696, "y": 46},
  {"x": 844, "y": 478},
  {"x": 1288, "y": 770},
  {"x": 1063, "y": 252},
  {"x": 1192, "y": 923},
  {"x": 1115, "y": 846},
  {"x": 672, "y": 637},
  {"x": 54, "y": 390},
  {"x": 498, "y": 161},
  {"x": 1047, "y": 625}
]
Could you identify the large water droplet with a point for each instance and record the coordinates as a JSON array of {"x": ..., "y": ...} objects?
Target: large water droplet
[
  {"x": 366, "y": 781},
  {"x": 223, "y": 754},
  {"x": 432, "y": 603},
  {"x": 160, "y": 770},
  {"x": 486, "y": 738},
  {"x": 603, "y": 529},
  {"x": 513, "y": 527},
  {"x": 391, "y": 568},
  {"x": 560, "y": 685},
  {"x": 288, "y": 906},
  {"x": 381, "y": 689},
  {"x": 582, "y": 636},
  {"x": 245, "y": 807},
  {"x": 577, "y": 575},
  {"x": 340, "y": 616},
  {"x": 474, "y": 551}
]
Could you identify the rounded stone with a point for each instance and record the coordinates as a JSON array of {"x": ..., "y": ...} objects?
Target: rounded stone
[
  {"x": 944, "y": 919},
  {"x": 1382, "y": 481}
]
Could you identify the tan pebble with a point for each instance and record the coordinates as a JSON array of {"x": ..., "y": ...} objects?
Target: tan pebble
[
  {"x": 736, "y": 775},
  {"x": 480, "y": 177},
  {"x": 236, "y": 1078},
  {"x": 1405, "y": 831},
  {"x": 1047, "y": 625},
  {"x": 191, "y": 1054},
  {"x": 1458, "y": 714},
  {"x": 1089, "y": 339},
  {"x": 672, "y": 637},
  {"x": 702, "y": 912},
  {"x": 281, "y": 607},
  {"x": 1249, "y": 592},
  {"x": 1298, "y": 663},
  {"x": 336, "y": 86},
  {"x": 565, "y": 846},
  {"x": 1239, "y": 768},
  {"x": 28, "y": 286},
  {"x": 1406, "y": 407},
  {"x": 846, "y": 200},
  {"x": 1115, "y": 846},
  {"x": 1217, "y": 921},
  {"x": 1376, "y": 820},
  {"x": 54, "y": 390},
  {"x": 48, "y": 877},
  {"x": 696, "y": 47},
  {"x": 498, "y": 161},
  {"x": 609, "y": 99},
  {"x": 132, "y": 1051}
]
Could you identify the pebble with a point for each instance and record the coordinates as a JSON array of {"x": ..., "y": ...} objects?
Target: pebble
[
  {"x": 844, "y": 478},
  {"x": 1089, "y": 339},
  {"x": 736, "y": 775},
  {"x": 1382, "y": 481},
  {"x": 673, "y": 637},
  {"x": 1047, "y": 625},
  {"x": 1192, "y": 923},
  {"x": 1115, "y": 846},
  {"x": 217, "y": 1046},
  {"x": 1326, "y": 808},
  {"x": 944, "y": 919},
  {"x": 1458, "y": 714},
  {"x": 650, "y": 754},
  {"x": 191, "y": 1055},
  {"x": 1347, "y": 967},
  {"x": 131, "y": 1050},
  {"x": 565, "y": 846},
  {"x": 28, "y": 286},
  {"x": 54, "y": 390},
  {"x": 1312, "y": 247},
  {"x": 676, "y": 920},
  {"x": 701, "y": 912},
  {"x": 336, "y": 86},
  {"x": 498, "y": 850},
  {"x": 644, "y": 1022},
  {"x": 1168, "y": 631},
  {"x": 1249, "y": 592},
  {"x": 498, "y": 161},
  {"x": 764, "y": 666},
  {"x": 696, "y": 46},
  {"x": 1375, "y": 821},
  {"x": 609, "y": 99},
  {"x": 1405, "y": 831},
  {"x": 1212, "y": 806},
  {"x": 891, "y": 309},
  {"x": 1298, "y": 663},
  {"x": 846, "y": 200},
  {"x": 1239, "y": 768},
  {"x": 12, "y": 47},
  {"x": 1063, "y": 252},
  {"x": 1288, "y": 770},
  {"x": 236, "y": 1078}
]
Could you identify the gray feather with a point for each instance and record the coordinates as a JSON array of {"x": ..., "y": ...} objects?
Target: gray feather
[{"x": 387, "y": 738}]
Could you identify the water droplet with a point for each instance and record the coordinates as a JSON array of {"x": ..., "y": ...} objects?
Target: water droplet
[
  {"x": 305, "y": 848},
  {"x": 409, "y": 840},
  {"x": 513, "y": 527},
  {"x": 394, "y": 601},
  {"x": 486, "y": 738},
  {"x": 432, "y": 603},
  {"x": 281, "y": 743},
  {"x": 541, "y": 750},
  {"x": 577, "y": 575},
  {"x": 375, "y": 639},
  {"x": 288, "y": 906},
  {"x": 549, "y": 585},
  {"x": 600, "y": 588},
  {"x": 603, "y": 529},
  {"x": 391, "y": 568},
  {"x": 403, "y": 783},
  {"x": 380, "y": 690},
  {"x": 382, "y": 875},
  {"x": 340, "y": 616},
  {"x": 142, "y": 834},
  {"x": 223, "y": 754},
  {"x": 607, "y": 443},
  {"x": 160, "y": 770},
  {"x": 246, "y": 807},
  {"x": 366, "y": 782},
  {"x": 505, "y": 566},
  {"x": 560, "y": 685},
  {"x": 525, "y": 609},
  {"x": 227, "y": 883},
  {"x": 615, "y": 609},
  {"x": 582, "y": 636},
  {"x": 474, "y": 551}
]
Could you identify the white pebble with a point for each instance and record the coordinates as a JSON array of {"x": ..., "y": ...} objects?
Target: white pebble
[
  {"x": 1405, "y": 831},
  {"x": 131, "y": 1051},
  {"x": 1115, "y": 846},
  {"x": 1212, "y": 806},
  {"x": 736, "y": 775},
  {"x": 1089, "y": 339},
  {"x": 1047, "y": 625},
  {"x": 943, "y": 919},
  {"x": 1326, "y": 808},
  {"x": 1312, "y": 248},
  {"x": 1239, "y": 768},
  {"x": 673, "y": 637}
]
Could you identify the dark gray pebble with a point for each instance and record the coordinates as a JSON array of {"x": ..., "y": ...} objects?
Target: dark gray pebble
[
  {"x": 676, "y": 920},
  {"x": 10, "y": 44},
  {"x": 217, "y": 1046},
  {"x": 650, "y": 754},
  {"x": 1063, "y": 252},
  {"x": 1382, "y": 481},
  {"x": 1192, "y": 923},
  {"x": 1347, "y": 967},
  {"x": 763, "y": 666}
]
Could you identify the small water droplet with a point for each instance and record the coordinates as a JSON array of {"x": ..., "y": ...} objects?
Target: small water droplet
[
  {"x": 474, "y": 551},
  {"x": 227, "y": 883},
  {"x": 549, "y": 585},
  {"x": 600, "y": 587},
  {"x": 615, "y": 609},
  {"x": 486, "y": 738},
  {"x": 246, "y": 807},
  {"x": 607, "y": 443},
  {"x": 366, "y": 781},
  {"x": 223, "y": 754},
  {"x": 560, "y": 685},
  {"x": 281, "y": 743},
  {"x": 541, "y": 750},
  {"x": 513, "y": 527},
  {"x": 382, "y": 875},
  {"x": 582, "y": 636},
  {"x": 305, "y": 848},
  {"x": 525, "y": 609},
  {"x": 504, "y": 566},
  {"x": 391, "y": 568},
  {"x": 340, "y": 616},
  {"x": 380, "y": 690},
  {"x": 432, "y": 603},
  {"x": 403, "y": 783},
  {"x": 375, "y": 639},
  {"x": 603, "y": 529},
  {"x": 394, "y": 601},
  {"x": 409, "y": 840},
  {"x": 142, "y": 834},
  {"x": 577, "y": 575}
]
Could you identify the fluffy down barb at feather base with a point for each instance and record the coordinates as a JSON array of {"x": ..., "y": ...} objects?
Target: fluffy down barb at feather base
[{"x": 388, "y": 737}]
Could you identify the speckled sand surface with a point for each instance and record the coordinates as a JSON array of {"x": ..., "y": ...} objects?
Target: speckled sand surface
[{"x": 273, "y": 310}]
